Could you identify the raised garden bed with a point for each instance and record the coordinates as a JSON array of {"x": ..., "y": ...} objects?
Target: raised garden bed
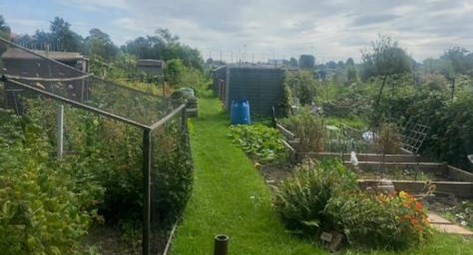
[{"x": 401, "y": 169}]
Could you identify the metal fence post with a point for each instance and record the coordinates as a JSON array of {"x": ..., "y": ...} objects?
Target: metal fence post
[{"x": 147, "y": 191}]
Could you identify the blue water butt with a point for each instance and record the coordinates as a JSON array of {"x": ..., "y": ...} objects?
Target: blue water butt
[{"x": 240, "y": 112}]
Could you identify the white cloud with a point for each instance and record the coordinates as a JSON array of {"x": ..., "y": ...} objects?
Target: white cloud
[
  {"x": 332, "y": 30},
  {"x": 95, "y": 4}
]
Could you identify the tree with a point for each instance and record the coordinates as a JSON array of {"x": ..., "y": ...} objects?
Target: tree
[
  {"x": 4, "y": 29},
  {"x": 331, "y": 65},
  {"x": 351, "y": 74},
  {"x": 174, "y": 71},
  {"x": 351, "y": 71},
  {"x": 385, "y": 59},
  {"x": 41, "y": 39},
  {"x": 455, "y": 61},
  {"x": 306, "y": 62},
  {"x": 164, "y": 46},
  {"x": 350, "y": 62},
  {"x": 99, "y": 44},
  {"x": 62, "y": 37},
  {"x": 301, "y": 84}
]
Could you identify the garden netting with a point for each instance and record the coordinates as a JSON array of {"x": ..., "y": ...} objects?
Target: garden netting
[
  {"x": 61, "y": 76},
  {"x": 101, "y": 135}
]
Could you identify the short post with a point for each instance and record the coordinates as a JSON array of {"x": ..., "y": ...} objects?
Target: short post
[
  {"x": 60, "y": 131},
  {"x": 221, "y": 245}
]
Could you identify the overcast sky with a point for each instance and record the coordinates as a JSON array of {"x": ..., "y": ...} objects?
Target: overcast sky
[{"x": 328, "y": 29}]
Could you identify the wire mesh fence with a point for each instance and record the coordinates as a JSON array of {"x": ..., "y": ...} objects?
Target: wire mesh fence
[
  {"x": 137, "y": 142},
  {"x": 61, "y": 78}
]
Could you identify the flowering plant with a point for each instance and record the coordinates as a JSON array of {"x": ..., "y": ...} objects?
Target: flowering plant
[
  {"x": 410, "y": 214},
  {"x": 389, "y": 221}
]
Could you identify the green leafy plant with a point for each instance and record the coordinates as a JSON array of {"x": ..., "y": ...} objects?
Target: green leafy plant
[
  {"x": 325, "y": 196},
  {"x": 260, "y": 142},
  {"x": 302, "y": 198},
  {"x": 309, "y": 129},
  {"x": 394, "y": 221},
  {"x": 45, "y": 209}
]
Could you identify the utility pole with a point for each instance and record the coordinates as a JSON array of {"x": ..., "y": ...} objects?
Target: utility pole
[{"x": 231, "y": 61}]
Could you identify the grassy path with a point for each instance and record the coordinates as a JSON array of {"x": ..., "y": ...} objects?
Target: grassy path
[{"x": 230, "y": 197}]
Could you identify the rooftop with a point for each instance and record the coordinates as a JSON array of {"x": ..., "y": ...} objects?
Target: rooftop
[{"x": 16, "y": 53}]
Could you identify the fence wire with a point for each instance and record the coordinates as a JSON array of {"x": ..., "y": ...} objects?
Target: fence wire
[
  {"x": 162, "y": 164},
  {"x": 65, "y": 77}
]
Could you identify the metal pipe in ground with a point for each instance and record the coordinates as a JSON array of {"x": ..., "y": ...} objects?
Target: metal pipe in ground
[{"x": 221, "y": 245}]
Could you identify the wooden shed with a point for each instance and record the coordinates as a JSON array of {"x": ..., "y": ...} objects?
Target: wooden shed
[
  {"x": 151, "y": 66},
  {"x": 20, "y": 62}
]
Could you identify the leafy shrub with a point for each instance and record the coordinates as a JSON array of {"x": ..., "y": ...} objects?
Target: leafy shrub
[
  {"x": 310, "y": 130},
  {"x": 301, "y": 84},
  {"x": 45, "y": 208},
  {"x": 301, "y": 199},
  {"x": 260, "y": 142},
  {"x": 172, "y": 172},
  {"x": 325, "y": 197},
  {"x": 395, "y": 221},
  {"x": 109, "y": 153}
]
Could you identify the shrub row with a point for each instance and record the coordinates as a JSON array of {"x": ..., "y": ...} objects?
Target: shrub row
[{"x": 49, "y": 204}]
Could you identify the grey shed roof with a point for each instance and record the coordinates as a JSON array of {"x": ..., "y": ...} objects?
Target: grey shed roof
[
  {"x": 150, "y": 63},
  {"x": 15, "y": 53}
]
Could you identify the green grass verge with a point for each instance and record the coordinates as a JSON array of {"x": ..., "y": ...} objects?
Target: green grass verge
[{"x": 230, "y": 197}]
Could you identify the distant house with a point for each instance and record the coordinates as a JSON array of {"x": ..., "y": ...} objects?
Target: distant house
[
  {"x": 23, "y": 63},
  {"x": 151, "y": 66},
  {"x": 262, "y": 85}
]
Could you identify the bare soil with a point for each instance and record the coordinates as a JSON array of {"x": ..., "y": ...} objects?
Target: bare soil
[{"x": 110, "y": 241}]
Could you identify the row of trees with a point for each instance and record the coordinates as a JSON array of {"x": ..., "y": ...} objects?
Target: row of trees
[{"x": 99, "y": 46}]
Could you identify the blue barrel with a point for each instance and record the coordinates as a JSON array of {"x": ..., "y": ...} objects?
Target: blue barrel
[{"x": 240, "y": 112}]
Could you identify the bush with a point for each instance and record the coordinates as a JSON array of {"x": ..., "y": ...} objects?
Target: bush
[
  {"x": 260, "y": 142},
  {"x": 326, "y": 197},
  {"x": 395, "y": 221},
  {"x": 301, "y": 84},
  {"x": 172, "y": 172},
  {"x": 310, "y": 130},
  {"x": 301, "y": 199},
  {"x": 46, "y": 209}
]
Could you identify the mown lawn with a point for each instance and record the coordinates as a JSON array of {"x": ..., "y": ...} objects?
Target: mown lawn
[{"x": 230, "y": 197}]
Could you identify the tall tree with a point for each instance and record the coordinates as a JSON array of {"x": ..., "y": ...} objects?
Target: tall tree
[
  {"x": 351, "y": 71},
  {"x": 306, "y": 62},
  {"x": 4, "y": 29},
  {"x": 99, "y": 44},
  {"x": 385, "y": 59},
  {"x": 350, "y": 62},
  {"x": 456, "y": 61},
  {"x": 293, "y": 62},
  {"x": 164, "y": 46},
  {"x": 62, "y": 37}
]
